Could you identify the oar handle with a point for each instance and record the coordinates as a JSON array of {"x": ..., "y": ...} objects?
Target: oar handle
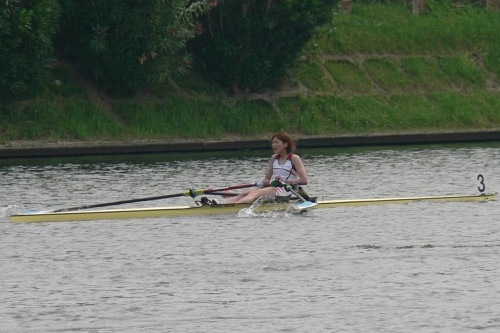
[
  {"x": 235, "y": 187},
  {"x": 290, "y": 188},
  {"x": 229, "y": 194},
  {"x": 195, "y": 192}
]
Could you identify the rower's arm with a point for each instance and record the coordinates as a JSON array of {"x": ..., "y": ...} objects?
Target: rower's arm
[
  {"x": 301, "y": 171},
  {"x": 269, "y": 171}
]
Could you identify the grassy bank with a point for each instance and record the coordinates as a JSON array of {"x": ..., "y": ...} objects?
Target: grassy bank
[{"x": 378, "y": 69}]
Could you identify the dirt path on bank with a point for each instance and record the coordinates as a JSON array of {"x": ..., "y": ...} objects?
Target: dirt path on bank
[{"x": 93, "y": 94}]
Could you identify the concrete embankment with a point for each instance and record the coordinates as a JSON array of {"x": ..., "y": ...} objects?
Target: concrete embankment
[{"x": 83, "y": 149}]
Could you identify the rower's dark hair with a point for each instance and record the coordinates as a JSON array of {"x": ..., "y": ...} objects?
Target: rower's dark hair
[{"x": 285, "y": 137}]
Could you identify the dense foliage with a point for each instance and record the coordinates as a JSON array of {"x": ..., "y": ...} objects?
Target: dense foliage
[
  {"x": 27, "y": 29},
  {"x": 127, "y": 45},
  {"x": 248, "y": 44},
  {"x": 124, "y": 45}
]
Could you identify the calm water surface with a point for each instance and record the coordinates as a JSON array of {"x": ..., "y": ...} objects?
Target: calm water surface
[{"x": 421, "y": 267}]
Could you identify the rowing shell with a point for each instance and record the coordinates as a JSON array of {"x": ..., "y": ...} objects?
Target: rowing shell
[{"x": 151, "y": 212}]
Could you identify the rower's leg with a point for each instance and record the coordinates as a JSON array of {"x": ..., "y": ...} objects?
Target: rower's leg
[
  {"x": 235, "y": 198},
  {"x": 253, "y": 195}
]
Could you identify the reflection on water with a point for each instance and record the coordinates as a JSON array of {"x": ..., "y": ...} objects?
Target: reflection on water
[{"x": 422, "y": 267}]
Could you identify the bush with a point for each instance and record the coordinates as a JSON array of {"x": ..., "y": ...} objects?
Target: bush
[
  {"x": 26, "y": 32},
  {"x": 248, "y": 44},
  {"x": 124, "y": 45}
]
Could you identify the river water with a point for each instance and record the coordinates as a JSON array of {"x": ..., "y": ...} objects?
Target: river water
[{"x": 420, "y": 267}]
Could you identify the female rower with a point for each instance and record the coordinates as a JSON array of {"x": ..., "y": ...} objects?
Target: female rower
[{"x": 284, "y": 166}]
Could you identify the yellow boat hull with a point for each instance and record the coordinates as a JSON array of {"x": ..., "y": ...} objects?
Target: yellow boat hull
[{"x": 153, "y": 212}]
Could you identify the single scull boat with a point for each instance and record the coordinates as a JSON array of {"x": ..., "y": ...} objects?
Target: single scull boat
[{"x": 212, "y": 209}]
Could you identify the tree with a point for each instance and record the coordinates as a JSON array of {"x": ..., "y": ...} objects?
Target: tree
[
  {"x": 124, "y": 45},
  {"x": 27, "y": 29},
  {"x": 249, "y": 44}
]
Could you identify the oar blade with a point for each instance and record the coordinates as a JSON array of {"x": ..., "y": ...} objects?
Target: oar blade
[{"x": 305, "y": 205}]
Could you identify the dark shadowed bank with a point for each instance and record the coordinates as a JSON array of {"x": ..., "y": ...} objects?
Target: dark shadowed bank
[{"x": 34, "y": 149}]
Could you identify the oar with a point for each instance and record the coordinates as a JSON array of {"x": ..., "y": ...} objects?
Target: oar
[
  {"x": 228, "y": 194},
  {"x": 305, "y": 204},
  {"x": 192, "y": 192}
]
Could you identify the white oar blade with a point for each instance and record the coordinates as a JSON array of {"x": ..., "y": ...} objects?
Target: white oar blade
[{"x": 305, "y": 205}]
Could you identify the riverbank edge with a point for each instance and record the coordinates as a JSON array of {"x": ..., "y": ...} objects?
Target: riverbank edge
[{"x": 35, "y": 150}]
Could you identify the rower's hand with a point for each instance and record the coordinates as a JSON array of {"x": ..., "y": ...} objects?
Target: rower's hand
[
  {"x": 276, "y": 183},
  {"x": 262, "y": 183}
]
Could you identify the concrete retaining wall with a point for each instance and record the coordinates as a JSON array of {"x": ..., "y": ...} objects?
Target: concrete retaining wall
[{"x": 158, "y": 147}]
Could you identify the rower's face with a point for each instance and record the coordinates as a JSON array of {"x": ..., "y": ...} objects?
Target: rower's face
[{"x": 278, "y": 146}]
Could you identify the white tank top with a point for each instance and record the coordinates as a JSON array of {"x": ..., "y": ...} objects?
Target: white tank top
[{"x": 285, "y": 170}]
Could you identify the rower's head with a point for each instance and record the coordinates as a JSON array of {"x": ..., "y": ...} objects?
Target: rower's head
[{"x": 287, "y": 140}]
